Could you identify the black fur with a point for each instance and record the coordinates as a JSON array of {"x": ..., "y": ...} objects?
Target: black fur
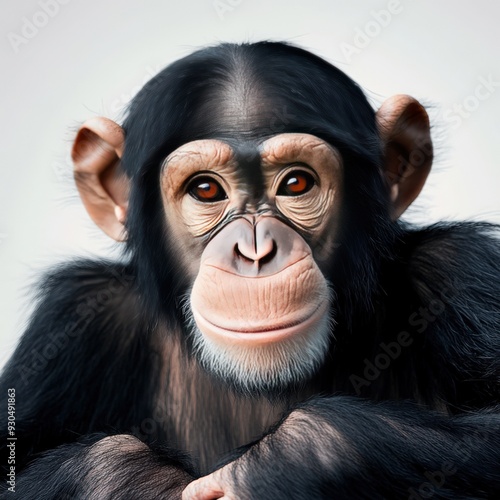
[{"x": 406, "y": 404}]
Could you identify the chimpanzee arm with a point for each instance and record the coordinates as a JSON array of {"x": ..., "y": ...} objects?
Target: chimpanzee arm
[
  {"x": 346, "y": 448},
  {"x": 86, "y": 339},
  {"x": 97, "y": 468},
  {"x": 342, "y": 447}
]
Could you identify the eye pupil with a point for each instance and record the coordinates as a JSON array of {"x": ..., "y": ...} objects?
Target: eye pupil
[
  {"x": 295, "y": 184},
  {"x": 206, "y": 190}
]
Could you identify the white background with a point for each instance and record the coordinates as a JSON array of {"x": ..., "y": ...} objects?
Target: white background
[{"x": 88, "y": 58}]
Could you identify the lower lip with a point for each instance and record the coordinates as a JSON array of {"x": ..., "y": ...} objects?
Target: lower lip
[{"x": 261, "y": 337}]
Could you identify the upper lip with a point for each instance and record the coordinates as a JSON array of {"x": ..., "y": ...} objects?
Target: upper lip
[{"x": 263, "y": 276}]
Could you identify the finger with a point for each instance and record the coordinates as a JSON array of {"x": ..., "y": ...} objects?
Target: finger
[{"x": 205, "y": 488}]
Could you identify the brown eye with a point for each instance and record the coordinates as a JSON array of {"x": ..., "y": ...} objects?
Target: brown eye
[
  {"x": 296, "y": 183},
  {"x": 206, "y": 189}
]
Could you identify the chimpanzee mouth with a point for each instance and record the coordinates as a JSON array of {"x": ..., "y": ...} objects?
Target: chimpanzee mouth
[{"x": 263, "y": 333}]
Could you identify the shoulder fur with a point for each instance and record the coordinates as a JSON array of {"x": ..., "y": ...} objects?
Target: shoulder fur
[{"x": 456, "y": 268}]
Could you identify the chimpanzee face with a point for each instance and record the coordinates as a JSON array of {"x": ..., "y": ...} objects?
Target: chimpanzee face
[{"x": 259, "y": 304}]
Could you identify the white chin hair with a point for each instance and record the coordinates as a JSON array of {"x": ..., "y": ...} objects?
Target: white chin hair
[{"x": 265, "y": 368}]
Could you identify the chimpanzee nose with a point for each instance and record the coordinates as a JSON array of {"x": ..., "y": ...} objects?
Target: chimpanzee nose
[{"x": 257, "y": 249}]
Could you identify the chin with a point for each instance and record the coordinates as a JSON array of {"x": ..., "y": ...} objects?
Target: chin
[{"x": 264, "y": 361}]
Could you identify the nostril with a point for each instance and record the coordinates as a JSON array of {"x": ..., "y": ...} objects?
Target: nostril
[
  {"x": 269, "y": 256},
  {"x": 239, "y": 254},
  {"x": 263, "y": 257}
]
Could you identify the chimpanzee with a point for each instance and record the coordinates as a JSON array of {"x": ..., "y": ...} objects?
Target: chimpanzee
[{"x": 273, "y": 330}]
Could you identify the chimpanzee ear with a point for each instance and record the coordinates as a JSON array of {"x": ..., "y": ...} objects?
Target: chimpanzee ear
[
  {"x": 102, "y": 184},
  {"x": 404, "y": 129}
]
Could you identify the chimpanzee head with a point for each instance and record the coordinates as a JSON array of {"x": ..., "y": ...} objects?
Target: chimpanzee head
[{"x": 257, "y": 192}]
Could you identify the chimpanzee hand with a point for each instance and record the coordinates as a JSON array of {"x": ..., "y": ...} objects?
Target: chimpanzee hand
[
  {"x": 268, "y": 469},
  {"x": 218, "y": 485}
]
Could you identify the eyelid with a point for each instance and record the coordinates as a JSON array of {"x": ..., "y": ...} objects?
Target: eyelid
[
  {"x": 199, "y": 175},
  {"x": 300, "y": 167},
  {"x": 210, "y": 174}
]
